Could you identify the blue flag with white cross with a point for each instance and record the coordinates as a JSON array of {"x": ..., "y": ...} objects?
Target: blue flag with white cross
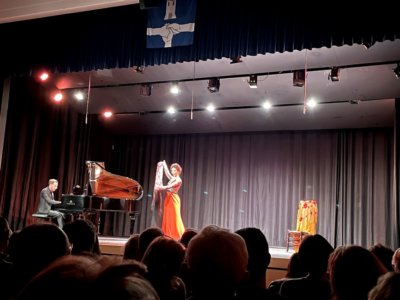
[{"x": 171, "y": 24}]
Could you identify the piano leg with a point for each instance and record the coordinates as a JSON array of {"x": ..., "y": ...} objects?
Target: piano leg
[
  {"x": 93, "y": 216},
  {"x": 101, "y": 217},
  {"x": 132, "y": 217}
]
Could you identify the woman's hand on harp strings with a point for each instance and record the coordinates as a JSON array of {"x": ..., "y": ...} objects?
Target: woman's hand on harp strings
[{"x": 159, "y": 187}]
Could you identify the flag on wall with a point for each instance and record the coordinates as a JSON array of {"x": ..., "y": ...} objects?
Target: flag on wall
[{"x": 171, "y": 24}]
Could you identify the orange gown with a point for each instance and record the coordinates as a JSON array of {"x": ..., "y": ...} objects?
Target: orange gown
[{"x": 172, "y": 224}]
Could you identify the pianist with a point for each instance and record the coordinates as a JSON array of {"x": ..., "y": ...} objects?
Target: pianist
[{"x": 47, "y": 199}]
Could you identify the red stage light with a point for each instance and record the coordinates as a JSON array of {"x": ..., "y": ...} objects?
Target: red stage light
[
  {"x": 44, "y": 76},
  {"x": 58, "y": 97}
]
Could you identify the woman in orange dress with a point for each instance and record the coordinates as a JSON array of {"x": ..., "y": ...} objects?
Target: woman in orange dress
[{"x": 172, "y": 224}]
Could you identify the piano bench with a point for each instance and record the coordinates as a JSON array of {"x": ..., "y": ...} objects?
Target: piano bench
[{"x": 43, "y": 218}]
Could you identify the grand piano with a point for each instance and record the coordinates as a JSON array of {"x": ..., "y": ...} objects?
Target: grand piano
[{"x": 106, "y": 192}]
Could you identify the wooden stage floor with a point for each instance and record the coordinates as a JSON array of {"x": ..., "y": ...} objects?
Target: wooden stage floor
[{"x": 277, "y": 268}]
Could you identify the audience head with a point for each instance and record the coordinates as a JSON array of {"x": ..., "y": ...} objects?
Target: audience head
[
  {"x": 146, "y": 237},
  {"x": 127, "y": 288},
  {"x": 124, "y": 281},
  {"x": 258, "y": 251},
  {"x": 295, "y": 268},
  {"x": 396, "y": 261},
  {"x": 163, "y": 259},
  {"x": 164, "y": 256},
  {"x": 384, "y": 254},
  {"x": 69, "y": 277},
  {"x": 36, "y": 246},
  {"x": 388, "y": 287},
  {"x": 314, "y": 254},
  {"x": 354, "y": 271},
  {"x": 131, "y": 249},
  {"x": 187, "y": 235},
  {"x": 217, "y": 259},
  {"x": 84, "y": 277},
  {"x": 82, "y": 236}
]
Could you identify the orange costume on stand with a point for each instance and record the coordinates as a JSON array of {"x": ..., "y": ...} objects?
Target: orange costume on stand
[{"x": 307, "y": 216}]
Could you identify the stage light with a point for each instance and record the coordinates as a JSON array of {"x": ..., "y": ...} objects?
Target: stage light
[
  {"x": 397, "y": 70},
  {"x": 107, "y": 114},
  {"x": 334, "y": 74},
  {"x": 139, "y": 69},
  {"x": 171, "y": 110},
  {"x": 366, "y": 45},
  {"x": 145, "y": 90},
  {"x": 211, "y": 108},
  {"x": 236, "y": 60},
  {"x": 213, "y": 85},
  {"x": 267, "y": 105},
  {"x": 58, "y": 97},
  {"x": 253, "y": 81},
  {"x": 79, "y": 96},
  {"x": 44, "y": 76},
  {"x": 312, "y": 103},
  {"x": 174, "y": 89},
  {"x": 299, "y": 78}
]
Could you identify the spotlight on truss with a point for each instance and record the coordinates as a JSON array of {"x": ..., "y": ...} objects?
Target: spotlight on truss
[
  {"x": 299, "y": 78},
  {"x": 145, "y": 90},
  {"x": 334, "y": 74},
  {"x": 253, "y": 81},
  {"x": 213, "y": 85}
]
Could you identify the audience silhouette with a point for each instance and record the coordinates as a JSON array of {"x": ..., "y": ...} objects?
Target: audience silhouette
[
  {"x": 354, "y": 271},
  {"x": 217, "y": 263},
  {"x": 213, "y": 263}
]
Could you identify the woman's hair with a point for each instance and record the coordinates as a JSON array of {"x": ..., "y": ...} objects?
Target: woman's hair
[
  {"x": 388, "y": 287},
  {"x": 354, "y": 271},
  {"x": 177, "y": 167}
]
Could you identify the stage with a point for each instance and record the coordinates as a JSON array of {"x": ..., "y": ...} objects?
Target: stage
[{"x": 277, "y": 268}]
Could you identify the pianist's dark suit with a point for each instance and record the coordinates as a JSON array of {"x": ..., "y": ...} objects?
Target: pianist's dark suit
[{"x": 46, "y": 200}]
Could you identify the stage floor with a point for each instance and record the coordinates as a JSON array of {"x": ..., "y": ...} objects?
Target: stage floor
[{"x": 277, "y": 268}]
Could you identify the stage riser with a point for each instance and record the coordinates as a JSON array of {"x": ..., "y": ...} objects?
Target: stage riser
[{"x": 277, "y": 268}]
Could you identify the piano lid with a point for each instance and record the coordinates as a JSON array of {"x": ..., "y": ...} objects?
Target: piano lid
[
  {"x": 94, "y": 168},
  {"x": 107, "y": 184}
]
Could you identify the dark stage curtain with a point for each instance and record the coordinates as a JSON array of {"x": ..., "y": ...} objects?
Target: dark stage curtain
[
  {"x": 365, "y": 189},
  {"x": 258, "y": 179},
  {"x": 116, "y": 37},
  {"x": 396, "y": 207},
  {"x": 43, "y": 140},
  {"x": 1, "y": 88}
]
